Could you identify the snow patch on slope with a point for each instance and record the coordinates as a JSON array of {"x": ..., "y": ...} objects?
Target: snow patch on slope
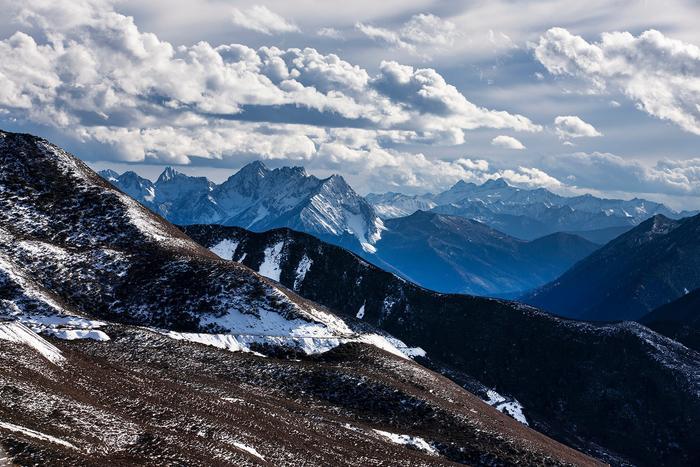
[
  {"x": 270, "y": 266},
  {"x": 413, "y": 441},
  {"x": 35, "y": 434},
  {"x": 357, "y": 226},
  {"x": 248, "y": 449},
  {"x": 220, "y": 341},
  {"x": 77, "y": 334},
  {"x": 314, "y": 331},
  {"x": 302, "y": 269},
  {"x": 309, "y": 345},
  {"x": 66, "y": 327},
  {"x": 508, "y": 406},
  {"x": 410, "y": 352},
  {"x": 225, "y": 249}
]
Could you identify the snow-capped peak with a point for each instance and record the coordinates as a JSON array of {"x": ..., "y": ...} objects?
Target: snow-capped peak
[
  {"x": 260, "y": 198},
  {"x": 168, "y": 174}
]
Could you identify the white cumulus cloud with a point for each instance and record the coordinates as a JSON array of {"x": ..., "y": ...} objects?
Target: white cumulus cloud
[
  {"x": 661, "y": 75},
  {"x": 507, "y": 142},
  {"x": 100, "y": 80},
  {"x": 570, "y": 126}
]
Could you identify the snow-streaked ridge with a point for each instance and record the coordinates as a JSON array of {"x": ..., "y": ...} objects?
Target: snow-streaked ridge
[
  {"x": 35, "y": 434},
  {"x": 508, "y": 406},
  {"x": 14, "y": 331}
]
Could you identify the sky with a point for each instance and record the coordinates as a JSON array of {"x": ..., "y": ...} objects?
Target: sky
[{"x": 409, "y": 96}]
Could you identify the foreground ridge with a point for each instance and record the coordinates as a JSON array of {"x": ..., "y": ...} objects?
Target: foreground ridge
[{"x": 583, "y": 383}]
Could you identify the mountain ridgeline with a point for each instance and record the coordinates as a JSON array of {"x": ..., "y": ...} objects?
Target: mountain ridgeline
[
  {"x": 259, "y": 199},
  {"x": 452, "y": 250},
  {"x": 527, "y": 213},
  {"x": 582, "y": 383},
  {"x": 679, "y": 320},
  {"x": 457, "y": 255},
  {"x": 651, "y": 265}
]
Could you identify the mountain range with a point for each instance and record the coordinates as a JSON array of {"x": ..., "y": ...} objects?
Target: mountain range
[
  {"x": 259, "y": 198},
  {"x": 466, "y": 240},
  {"x": 651, "y": 265},
  {"x": 585, "y": 384},
  {"x": 528, "y": 213},
  {"x": 124, "y": 341}
]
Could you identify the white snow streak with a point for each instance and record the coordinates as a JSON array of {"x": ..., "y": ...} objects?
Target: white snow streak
[
  {"x": 35, "y": 434},
  {"x": 270, "y": 266},
  {"x": 413, "y": 441},
  {"x": 76, "y": 334},
  {"x": 511, "y": 407},
  {"x": 225, "y": 249},
  {"x": 14, "y": 331},
  {"x": 67, "y": 327},
  {"x": 357, "y": 226},
  {"x": 302, "y": 269},
  {"x": 248, "y": 449}
]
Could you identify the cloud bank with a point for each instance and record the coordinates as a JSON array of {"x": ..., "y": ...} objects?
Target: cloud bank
[
  {"x": 609, "y": 172},
  {"x": 93, "y": 75},
  {"x": 661, "y": 75},
  {"x": 88, "y": 70}
]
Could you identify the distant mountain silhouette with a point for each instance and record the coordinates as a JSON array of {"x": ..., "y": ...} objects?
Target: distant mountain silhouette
[{"x": 649, "y": 266}]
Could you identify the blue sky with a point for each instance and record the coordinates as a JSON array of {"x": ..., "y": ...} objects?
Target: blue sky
[{"x": 411, "y": 96}]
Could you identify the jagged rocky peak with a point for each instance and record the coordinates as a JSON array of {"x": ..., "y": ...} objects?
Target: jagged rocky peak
[
  {"x": 461, "y": 184},
  {"x": 253, "y": 171},
  {"x": 662, "y": 224},
  {"x": 495, "y": 183},
  {"x": 109, "y": 174},
  {"x": 337, "y": 184},
  {"x": 169, "y": 174},
  {"x": 259, "y": 198}
]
